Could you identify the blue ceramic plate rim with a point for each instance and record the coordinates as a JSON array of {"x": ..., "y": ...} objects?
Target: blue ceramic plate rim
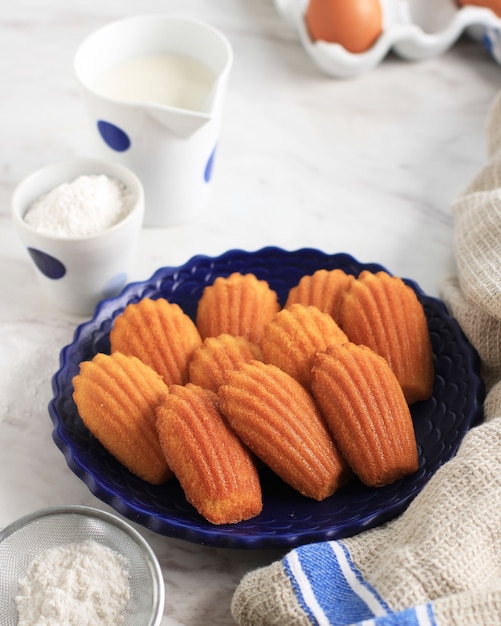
[{"x": 288, "y": 519}]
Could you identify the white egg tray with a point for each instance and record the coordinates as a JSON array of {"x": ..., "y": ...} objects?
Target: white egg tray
[{"x": 412, "y": 29}]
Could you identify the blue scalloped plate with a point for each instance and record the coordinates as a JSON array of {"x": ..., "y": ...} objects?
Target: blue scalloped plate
[{"x": 288, "y": 519}]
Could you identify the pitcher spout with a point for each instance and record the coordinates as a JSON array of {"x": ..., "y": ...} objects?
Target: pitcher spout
[{"x": 180, "y": 122}]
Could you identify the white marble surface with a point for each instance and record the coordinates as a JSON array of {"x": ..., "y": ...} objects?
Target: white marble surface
[{"x": 366, "y": 165}]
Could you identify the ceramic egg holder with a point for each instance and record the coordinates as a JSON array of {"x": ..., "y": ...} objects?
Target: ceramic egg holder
[{"x": 412, "y": 29}]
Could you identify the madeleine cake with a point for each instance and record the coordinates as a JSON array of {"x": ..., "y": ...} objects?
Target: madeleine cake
[
  {"x": 217, "y": 355},
  {"x": 116, "y": 397},
  {"x": 383, "y": 313},
  {"x": 214, "y": 468},
  {"x": 279, "y": 421},
  {"x": 160, "y": 334},
  {"x": 294, "y": 336},
  {"x": 324, "y": 289},
  {"x": 239, "y": 304},
  {"x": 366, "y": 411}
]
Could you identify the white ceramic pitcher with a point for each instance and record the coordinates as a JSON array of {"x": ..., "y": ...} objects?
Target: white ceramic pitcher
[{"x": 171, "y": 149}]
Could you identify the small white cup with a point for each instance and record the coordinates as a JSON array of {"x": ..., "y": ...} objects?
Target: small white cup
[
  {"x": 75, "y": 273},
  {"x": 170, "y": 148}
]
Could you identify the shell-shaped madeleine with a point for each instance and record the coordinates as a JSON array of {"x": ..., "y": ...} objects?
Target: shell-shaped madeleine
[
  {"x": 367, "y": 413},
  {"x": 324, "y": 289},
  {"x": 214, "y": 468},
  {"x": 210, "y": 361},
  {"x": 279, "y": 421},
  {"x": 294, "y": 336},
  {"x": 382, "y": 312},
  {"x": 116, "y": 397},
  {"x": 160, "y": 334},
  {"x": 239, "y": 304}
]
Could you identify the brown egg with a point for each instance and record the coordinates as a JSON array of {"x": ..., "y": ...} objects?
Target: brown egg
[
  {"x": 493, "y": 5},
  {"x": 354, "y": 24}
]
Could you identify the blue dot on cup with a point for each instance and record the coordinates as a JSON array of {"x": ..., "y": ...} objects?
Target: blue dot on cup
[
  {"x": 113, "y": 136},
  {"x": 208, "y": 167},
  {"x": 47, "y": 264}
]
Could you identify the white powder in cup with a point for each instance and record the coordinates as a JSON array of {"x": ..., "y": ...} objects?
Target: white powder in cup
[
  {"x": 87, "y": 206},
  {"x": 79, "y": 584}
]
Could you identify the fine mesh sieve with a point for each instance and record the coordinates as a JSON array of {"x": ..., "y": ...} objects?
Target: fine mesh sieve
[{"x": 23, "y": 540}]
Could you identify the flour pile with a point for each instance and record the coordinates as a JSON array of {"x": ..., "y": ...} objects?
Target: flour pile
[
  {"x": 79, "y": 584},
  {"x": 87, "y": 206}
]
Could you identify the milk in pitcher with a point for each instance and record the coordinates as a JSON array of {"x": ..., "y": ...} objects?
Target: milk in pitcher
[{"x": 163, "y": 78}]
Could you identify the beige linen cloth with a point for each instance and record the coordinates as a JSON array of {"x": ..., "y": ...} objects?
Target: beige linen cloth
[{"x": 440, "y": 561}]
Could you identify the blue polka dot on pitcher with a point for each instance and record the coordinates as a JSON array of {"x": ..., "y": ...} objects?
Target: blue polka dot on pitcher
[
  {"x": 47, "y": 264},
  {"x": 113, "y": 136},
  {"x": 209, "y": 166}
]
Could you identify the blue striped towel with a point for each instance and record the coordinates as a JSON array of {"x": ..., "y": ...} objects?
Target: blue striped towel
[{"x": 333, "y": 592}]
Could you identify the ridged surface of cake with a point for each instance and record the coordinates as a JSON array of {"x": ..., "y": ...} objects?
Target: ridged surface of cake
[
  {"x": 367, "y": 413},
  {"x": 278, "y": 420},
  {"x": 294, "y": 336},
  {"x": 210, "y": 361},
  {"x": 323, "y": 289},
  {"x": 160, "y": 334},
  {"x": 239, "y": 304},
  {"x": 116, "y": 397},
  {"x": 383, "y": 313},
  {"x": 215, "y": 470}
]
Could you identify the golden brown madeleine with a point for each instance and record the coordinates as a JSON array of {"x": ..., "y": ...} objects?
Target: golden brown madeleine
[
  {"x": 367, "y": 413},
  {"x": 210, "y": 361},
  {"x": 214, "y": 468},
  {"x": 279, "y": 421},
  {"x": 160, "y": 334},
  {"x": 239, "y": 304},
  {"x": 116, "y": 397},
  {"x": 383, "y": 313},
  {"x": 324, "y": 289},
  {"x": 294, "y": 336}
]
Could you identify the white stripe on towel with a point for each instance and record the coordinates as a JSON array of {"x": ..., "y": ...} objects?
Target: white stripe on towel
[
  {"x": 364, "y": 592},
  {"x": 423, "y": 616}
]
